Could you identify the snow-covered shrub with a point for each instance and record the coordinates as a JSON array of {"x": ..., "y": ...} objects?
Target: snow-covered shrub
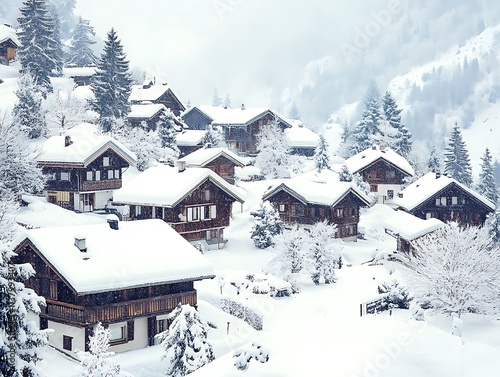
[
  {"x": 267, "y": 225},
  {"x": 324, "y": 253},
  {"x": 397, "y": 294},
  {"x": 242, "y": 312},
  {"x": 244, "y": 354}
]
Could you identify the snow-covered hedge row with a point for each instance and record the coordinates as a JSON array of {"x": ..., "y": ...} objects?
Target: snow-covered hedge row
[{"x": 238, "y": 310}]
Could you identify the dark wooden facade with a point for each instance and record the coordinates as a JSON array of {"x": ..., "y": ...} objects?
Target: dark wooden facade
[
  {"x": 224, "y": 167},
  {"x": 64, "y": 305},
  {"x": 168, "y": 99},
  {"x": 64, "y": 180},
  {"x": 148, "y": 123},
  {"x": 201, "y": 215},
  {"x": 7, "y": 51},
  {"x": 344, "y": 214},
  {"x": 382, "y": 172},
  {"x": 453, "y": 203},
  {"x": 196, "y": 119}
]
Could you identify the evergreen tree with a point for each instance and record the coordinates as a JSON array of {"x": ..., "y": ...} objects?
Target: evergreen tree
[
  {"x": 267, "y": 225},
  {"x": 227, "y": 101},
  {"x": 37, "y": 44},
  {"x": 434, "y": 162},
  {"x": 457, "y": 162},
  {"x": 493, "y": 223},
  {"x": 294, "y": 112},
  {"x": 98, "y": 361},
  {"x": 321, "y": 155},
  {"x": 20, "y": 339},
  {"x": 399, "y": 139},
  {"x": 167, "y": 133},
  {"x": 27, "y": 112},
  {"x": 67, "y": 19},
  {"x": 325, "y": 253},
  {"x": 216, "y": 98},
  {"x": 111, "y": 84},
  {"x": 185, "y": 342},
  {"x": 80, "y": 52},
  {"x": 210, "y": 139},
  {"x": 487, "y": 185},
  {"x": 55, "y": 41},
  {"x": 344, "y": 174}
]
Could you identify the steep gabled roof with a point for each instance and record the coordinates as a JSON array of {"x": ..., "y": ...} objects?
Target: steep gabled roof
[
  {"x": 407, "y": 226},
  {"x": 145, "y": 110},
  {"x": 429, "y": 185},
  {"x": 152, "y": 92},
  {"x": 8, "y": 33},
  {"x": 371, "y": 155},
  {"x": 165, "y": 186},
  {"x": 190, "y": 138},
  {"x": 203, "y": 156},
  {"x": 140, "y": 253},
  {"x": 84, "y": 149}
]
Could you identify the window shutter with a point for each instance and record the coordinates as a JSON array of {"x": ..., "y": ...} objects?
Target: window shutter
[
  {"x": 213, "y": 211},
  {"x": 130, "y": 330},
  {"x": 202, "y": 213},
  {"x": 190, "y": 214}
]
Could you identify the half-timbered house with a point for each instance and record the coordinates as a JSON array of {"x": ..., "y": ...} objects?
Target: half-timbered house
[
  {"x": 83, "y": 170},
  {"x": 127, "y": 275},
  {"x": 196, "y": 202},
  {"x": 383, "y": 169},
  {"x": 8, "y": 44},
  {"x": 220, "y": 160},
  {"x": 307, "y": 202},
  {"x": 438, "y": 196},
  {"x": 157, "y": 94}
]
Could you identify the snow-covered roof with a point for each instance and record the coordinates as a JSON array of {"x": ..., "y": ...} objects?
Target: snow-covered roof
[
  {"x": 204, "y": 156},
  {"x": 410, "y": 227},
  {"x": 165, "y": 186},
  {"x": 145, "y": 110},
  {"x": 190, "y": 138},
  {"x": 84, "y": 148},
  {"x": 139, "y": 253},
  {"x": 245, "y": 116},
  {"x": 429, "y": 185},
  {"x": 79, "y": 71},
  {"x": 7, "y": 33},
  {"x": 370, "y": 155},
  {"x": 149, "y": 93},
  {"x": 300, "y": 136},
  {"x": 213, "y": 112}
]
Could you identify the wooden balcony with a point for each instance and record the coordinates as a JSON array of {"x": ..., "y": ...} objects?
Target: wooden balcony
[
  {"x": 106, "y": 184},
  {"x": 202, "y": 225},
  {"x": 79, "y": 315}
]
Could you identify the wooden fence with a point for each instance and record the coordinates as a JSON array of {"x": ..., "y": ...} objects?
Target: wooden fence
[{"x": 375, "y": 305}]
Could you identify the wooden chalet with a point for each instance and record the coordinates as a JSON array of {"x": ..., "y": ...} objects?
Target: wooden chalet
[
  {"x": 302, "y": 140},
  {"x": 127, "y": 275},
  {"x": 8, "y": 44},
  {"x": 145, "y": 115},
  {"x": 189, "y": 141},
  {"x": 156, "y": 94},
  {"x": 200, "y": 117},
  {"x": 219, "y": 160},
  {"x": 81, "y": 76},
  {"x": 83, "y": 170},
  {"x": 383, "y": 169},
  {"x": 196, "y": 202},
  {"x": 438, "y": 196},
  {"x": 307, "y": 202}
]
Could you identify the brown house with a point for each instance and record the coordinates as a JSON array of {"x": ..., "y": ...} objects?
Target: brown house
[
  {"x": 438, "y": 196},
  {"x": 308, "y": 202},
  {"x": 8, "y": 44},
  {"x": 219, "y": 160},
  {"x": 156, "y": 94},
  {"x": 126, "y": 275},
  {"x": 196, "y": 202},
  {"x": 83, "y": 170}
]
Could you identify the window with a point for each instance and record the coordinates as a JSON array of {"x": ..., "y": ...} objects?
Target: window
[
  {"x": 161, "y": 325},
  {"x": 110, "y": 174},
  {"x": 89, "y": 175},
  {"x": 117, "y": 174},
  {"x": 373, "y": 188},
  {"x": 53, "y": 290},
  {"x": 390, "y": 194},
  {"x": 428, "y": 216},
  {"x": 207, "y": 195},
  {"x": 390, "y": 174},
  {"x": 105, "y": 161},
  {"x": 438, "y": 201},
  {"x": 213, "y": 211},
  {"x": 44, "y": 323},
  {"x": 67, "y": 343},
  {"x": 117, "y": 332},
  {"x": 443, "y": 200},
  {"x": 454, "y": 200},
  {"x": 299, "y": 209},
  {"x": 64, "y": 176},
  {"x": 98, "y": 175},
  {"x": 340, "y": 212},
  {"x": 282, "y": 208}
]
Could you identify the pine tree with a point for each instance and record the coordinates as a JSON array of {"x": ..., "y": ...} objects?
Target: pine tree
[
  {"x": 493, "y": 223},
  {"x": 457, "y": 162},
  {"x": 17, "y": 334},
  {"x": 185, "y": 342},
  {"x": 55, "y": 42},
  {"x": 325, "y": 253},
  {"x": 216, "y": 98},
  {"x": 434, "y": 162},
  {"x": 27, "y": 112},
  {"x": 80, "y": 52},
  {"x": 37, "y": 44},
  {"x": 111, "y": 84},
  {"x": 168, "y": 134},
  {"x": 321, "y": 155},
  {"x": 294, "y": 112},
  {"x": 67, "y": 19},
  {"x": 227, "y": 101},
  {"x": 344, "y": 174},
  {"x": 98, "y": 361},
  {"x": 399, "y": 139},
  {"x": 267, "y": 225},
  {"x": 210, "y": 139},
  {"x": 487, "y": 185}
]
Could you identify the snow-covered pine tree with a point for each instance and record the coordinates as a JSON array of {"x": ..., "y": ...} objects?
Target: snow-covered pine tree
[
  {"x": 325, "y": 251},
  {"x": 493, "y": 223},
  {"x": 227, "y": 101},
  {"x": 487, "y": 185},
  {"x": 273, "y": 158},
  {"x": 36, "y": 37},
  {"x": 434, "y": 162},
  {"x": 20, "y": 339},
  {"x": 360, "y": 183},
  {"x": 211, "y": 138},
  {"x": 267, "y": 225},
  {"x": 168, "y": 135},
  {"x": 27, "y": 113},
  {"x": 457, "y": 162},
  {"x": 185, "y": 342},
  {"x": 80, "y": 52},
  {"x": 344, "y": 174},
  {"x": 67, "y": 19},
  {"x": 294, "y": 112},
  {"x": 112, "y": 83},
  {"x": 98, "y": 361},
  {"x": 400, "y": 140},
  {"x": 216, "y": 98},
  {"x": 322, "y": 155},
  {"x": 55, "y": 42}
]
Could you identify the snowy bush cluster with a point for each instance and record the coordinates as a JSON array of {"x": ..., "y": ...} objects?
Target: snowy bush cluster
[
  {"x": 398, "y": 295},
  {"x": 245, "y": 354},
  {"x": 242, "y": 312}
]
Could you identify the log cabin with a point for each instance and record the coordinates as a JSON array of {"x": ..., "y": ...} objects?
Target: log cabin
[
  {"x": 304, "y": 201},
  {"x": 220, "y": 160},
  {"x": 127, "y": 275},
  {"x": 196, "y": 202},
  {"x": 83, "y": 170},
  {"x": 156, "y": 94},
  {"x": 8, "y": 44},
  {"x": 383, "y": 169},
  {"x": 441, "y": 197}
]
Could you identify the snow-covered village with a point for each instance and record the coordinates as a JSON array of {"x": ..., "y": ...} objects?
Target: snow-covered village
[{"x": 226, "y": 188}]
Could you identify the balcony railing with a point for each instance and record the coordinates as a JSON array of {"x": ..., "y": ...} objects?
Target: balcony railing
[
  {"x": 119, "y": 311},
  {"x": 107, "y": 184}
]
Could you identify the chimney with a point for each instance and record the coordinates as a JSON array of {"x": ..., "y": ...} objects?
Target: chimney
[
  {"x": 242, "y": 106},
  {"x": 67, "y": 141},
  {"x": 438, "y": 175},
  {"x": 81, "y": 243},
  {"x": 112, "y": 221},
  {"x": 181, "y": 165}
]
